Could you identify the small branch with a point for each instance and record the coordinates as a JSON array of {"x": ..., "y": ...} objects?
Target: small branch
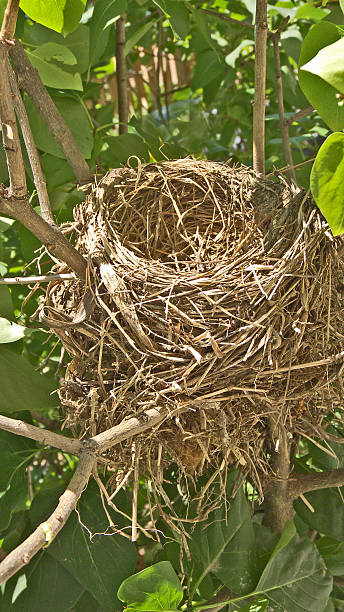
[
  {"x": 9, "y": 20},
  {"x": 43, "y": 436},
  {"x": 121, "y": 76},
  {"x": 283, "y": 125},
  {"x": 261, "y": 30},
  {"x": 28, "y": 280},
  {"x": 30, "y": 81},
  {"x": 302, "y": 483},
  {"x": 278, "y": 503},
  {"x": 49, "y": 235},
  {"x": 299, "y": 115},
  {"x": 47, "y": 531},
  {"x": 32, "y": 152}
]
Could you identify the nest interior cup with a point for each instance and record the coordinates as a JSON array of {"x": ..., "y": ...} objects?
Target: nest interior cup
[{"x": 212, "y": 292}]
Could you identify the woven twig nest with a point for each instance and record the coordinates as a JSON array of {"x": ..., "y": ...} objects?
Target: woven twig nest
[{"x": 215, "y": 293}]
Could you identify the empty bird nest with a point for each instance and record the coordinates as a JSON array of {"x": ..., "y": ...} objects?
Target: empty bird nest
[{"x": 216, "y": 294}]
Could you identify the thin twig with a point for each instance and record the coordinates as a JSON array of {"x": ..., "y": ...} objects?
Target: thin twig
[
  {"x": 261, "y": 30},
  {"x": 31, "y": 148},
  {"x": 283, "y": 125},
  {"x": 224, "y": 17},
  {"x": 29, "y": 80},
  {"x": 121, "y": 76},
  {"x": 48, "y": 530},
  {"x": 28, "y": 280},
  {"x": 299, "y": 115}
]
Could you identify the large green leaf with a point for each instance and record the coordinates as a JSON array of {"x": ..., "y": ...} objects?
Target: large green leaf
[
  {"x": 225, "y": 545},
  {"x": 76, "y": 118},
  {"x": 16, "y": 495},
  {"x": 47, "y": 12},
  {"x": 155, "y": 588},
  {"x": 49, "y": 587},
  {"x": 206, "y": 69},
  {"x": 332, "y": 551},
  {"x": 72, "y": 13},
  {"x": 295, "y": 577},
  {"x": 105, "y": 13},
  {"x": 99, "y": 564},
  {"x": 52, "y": 73},
  {"x": 320, "y": 93},
  {"x": 327, "y": 181},
  {"x": 78, "y": 42},
  {"x": 22, "y": 388},
  {"x": 120, "y": 148},
  {"x": 328, "y": 64}
]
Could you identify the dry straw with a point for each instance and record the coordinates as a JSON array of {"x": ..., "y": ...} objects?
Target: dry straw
[{"x": 212, "y": 292}]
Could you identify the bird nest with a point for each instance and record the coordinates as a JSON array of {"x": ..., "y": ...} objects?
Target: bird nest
[{"x": 212, "y": 292}]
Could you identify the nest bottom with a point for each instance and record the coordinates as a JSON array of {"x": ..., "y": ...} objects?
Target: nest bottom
[{"x": 213, "y": 293}]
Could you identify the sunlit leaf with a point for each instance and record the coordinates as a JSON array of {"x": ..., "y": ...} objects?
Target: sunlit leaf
[{"x": 155, "y": 588}]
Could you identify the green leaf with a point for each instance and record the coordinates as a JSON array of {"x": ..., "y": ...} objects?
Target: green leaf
[
  {"x": 179, "y": 18},
  {"x": 155, "y": 588},
  {"x": 49, "y": 587},
  {"x": 72, "y": 13},
  {"x": 332, "y": 551},
  {"x": 51, "y": 73},
  {"x": 328, "y": 64},
  {"x": 327, "y": 503},
  {"x": 10, "y": 332},
  {"x": 78, "y": 42},
  {"x": 104, "y": 14},
  {"x": 6, "y": 305},
  {"x": 76, "y": 118},
  {"x": 15, "y": 497},
  {"x": 225, "y": 545},
  {"x": 137, "y": 35},
  {"x": 47, "y": 12},
  {"x": 327, "y": 181},
  {"x": 295, "y": 578},
  {"x": 320, "y": 93},
  {"x": 99, "y": 564},
  {"x": 341, "y": 3},
  {"x": 120, "y": 148},
  {"x": 5, "y": 223},
  {"x": 233, "y": 56},
  {"x": 207, "y": 68},
  {"x": 307, "y": 11},
  {"x": 33, "y": 392}
]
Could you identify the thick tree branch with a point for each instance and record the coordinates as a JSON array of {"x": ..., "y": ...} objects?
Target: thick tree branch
[
  {"x": 261, "y": 31},
  {"x": 43, "y": 436},
  {"x": 30, "y": 81},
  {"x": 49, "y": 235},
  {"x": 32, "y": 152},
  {"x": 121, "y": 76},
  {"x": 302, "y": 483},
  {"x": 278, "y": 505},
  {"x": 284, "y": 127},
  {"x": 47, "y": 531}
]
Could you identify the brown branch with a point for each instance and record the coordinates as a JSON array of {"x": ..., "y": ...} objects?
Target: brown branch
[
  {"x": 31, "y": 148},
  {"x": 9, "y": 20},
  {"x": 284, "y": 127},
  {"x": 47, "y": 531},
  {"x": 300, "y": 114},
  {"x": 48, "y": 234},
  {"x": 278, "y": 505},
  {"x": 30, "y": 81},
  {"x": 28, "y": 280},
  {"x": 261, "y": 30},
  {"x": 121, "y": 76},
  {"x": 303, "y": 483},
  {"x": 43, "y": 436},
  {"x": 10, "y": 136}
]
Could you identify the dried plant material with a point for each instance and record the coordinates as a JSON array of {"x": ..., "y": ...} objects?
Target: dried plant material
[{"x": 210, "y": 291}]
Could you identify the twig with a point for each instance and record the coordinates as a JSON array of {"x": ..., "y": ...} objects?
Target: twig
[
  {"x": 299, "y": 115},
  {"x": 31, "y": 148},
  {"x": 47, "y": 531},
  {"x": 43, "y": 436},
  {"x": 121, "y": 76},
  {"x": 10, "y": 136},
  {"x": 48, "y": 234},
  {"x": 28, "y": 280},
  {"x": 261, "y": 30},
  {"x": 283, "y": 125},
  {"x": 29, "y": 80}
]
